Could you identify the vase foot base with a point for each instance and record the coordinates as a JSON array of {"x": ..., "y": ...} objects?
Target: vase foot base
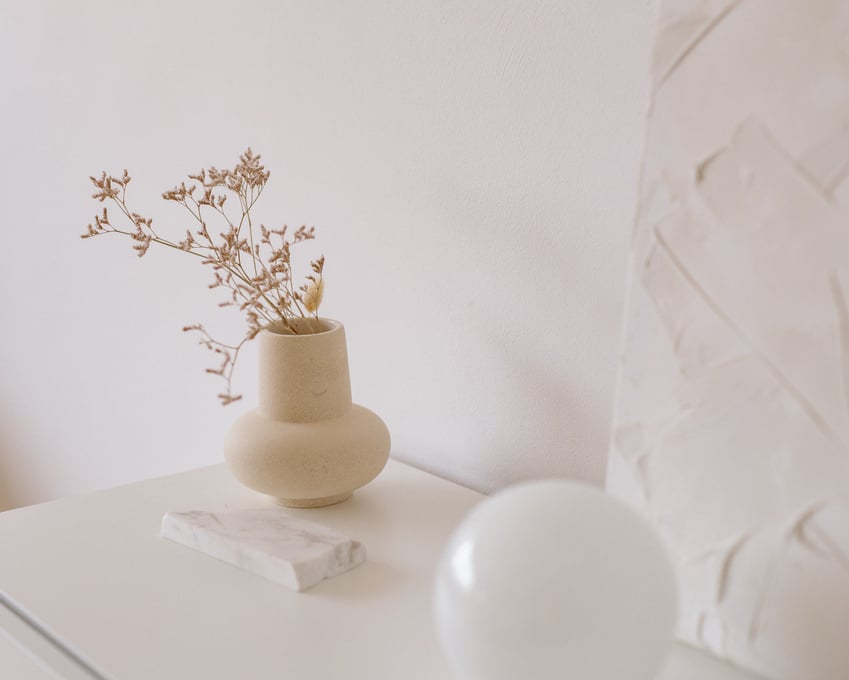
[{"x": 312, "y": 502}]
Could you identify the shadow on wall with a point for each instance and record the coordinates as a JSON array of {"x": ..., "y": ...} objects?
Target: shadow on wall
[
  {"x": 13, "y": 486},
  {"x": 553, "y": 429},
  {"x": 542, "y": 391},
  {"x": 8, "y": 499},
  {"x": 555, "y": 424}
]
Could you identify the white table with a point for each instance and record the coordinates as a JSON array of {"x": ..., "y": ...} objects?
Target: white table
[{"x": 89, "y": 590}]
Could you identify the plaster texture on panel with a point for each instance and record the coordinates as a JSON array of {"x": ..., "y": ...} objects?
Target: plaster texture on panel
[{"x": 732, "y": 422}]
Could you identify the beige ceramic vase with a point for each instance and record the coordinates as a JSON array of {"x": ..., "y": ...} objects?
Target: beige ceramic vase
[{"x": 307, "y": 444}]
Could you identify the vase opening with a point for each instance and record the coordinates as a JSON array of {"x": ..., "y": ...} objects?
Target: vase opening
[{"x": 302, "y": 326}]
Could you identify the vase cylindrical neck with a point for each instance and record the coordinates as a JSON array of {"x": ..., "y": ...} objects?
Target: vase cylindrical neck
[{"x": 304, "y": 376}]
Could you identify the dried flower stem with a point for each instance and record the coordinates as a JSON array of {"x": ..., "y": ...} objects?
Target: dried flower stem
[{"x": 267, "y": 293}]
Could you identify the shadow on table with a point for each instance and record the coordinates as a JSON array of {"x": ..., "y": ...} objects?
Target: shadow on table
[
  {"x": 371, "y": 580},
  {"x": 403, "y": 519}
]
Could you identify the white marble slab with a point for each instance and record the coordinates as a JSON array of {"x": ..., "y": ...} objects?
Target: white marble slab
[{"x": 267, "y": 542}]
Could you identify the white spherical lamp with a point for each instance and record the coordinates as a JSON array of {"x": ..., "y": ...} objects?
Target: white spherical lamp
[{"x": 554, "y": 579}]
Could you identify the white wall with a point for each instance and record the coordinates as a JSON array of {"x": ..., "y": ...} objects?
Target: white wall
[{"x": 471, "y": 171}]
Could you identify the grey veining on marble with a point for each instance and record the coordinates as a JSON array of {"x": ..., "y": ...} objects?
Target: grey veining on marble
[
  {"x": 267, "y": 542},
  {"x": 732, "y": 423}
]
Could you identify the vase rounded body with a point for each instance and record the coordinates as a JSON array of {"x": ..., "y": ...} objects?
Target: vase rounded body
[{"x": 306, "y": 444}]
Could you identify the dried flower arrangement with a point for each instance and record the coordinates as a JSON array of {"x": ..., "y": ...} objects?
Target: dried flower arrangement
[{"x": 253, "y": 266}]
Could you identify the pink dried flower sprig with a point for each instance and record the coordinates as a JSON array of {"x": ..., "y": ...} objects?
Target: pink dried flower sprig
[{"x": 252, "y": 265}]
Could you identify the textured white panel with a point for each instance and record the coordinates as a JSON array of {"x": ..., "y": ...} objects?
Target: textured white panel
[{"x": 732, "y": 419}]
